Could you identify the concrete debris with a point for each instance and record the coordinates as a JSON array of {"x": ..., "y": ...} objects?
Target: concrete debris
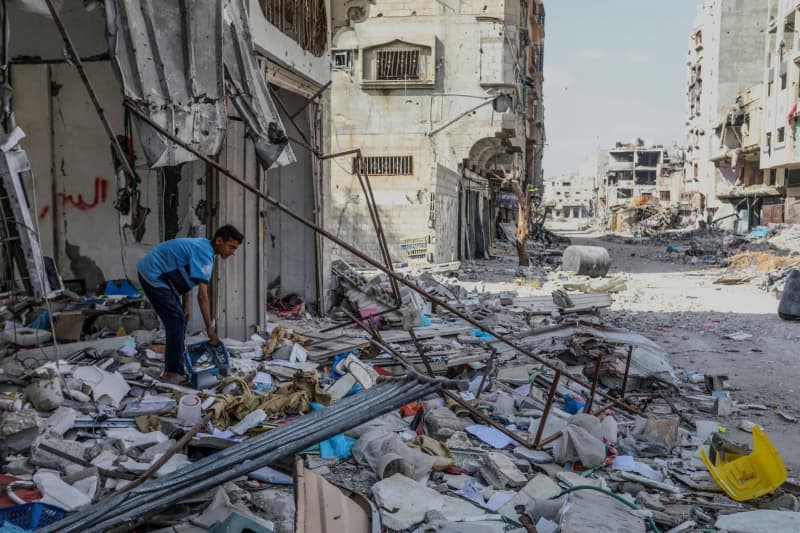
[
  {"x": 94, "y": 417},
  {"x": 404, "y": 503},
  {"x": 759, "y": 522},
  {"x": 500, "y": 471},
  {"x": 590, "y": 512}
]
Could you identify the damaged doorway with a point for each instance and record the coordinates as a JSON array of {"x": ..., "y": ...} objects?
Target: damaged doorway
[{"x": 292, "y": 249}]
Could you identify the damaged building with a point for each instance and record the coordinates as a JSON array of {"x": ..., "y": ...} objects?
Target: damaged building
[
  {"x": 780, "y": 132},
  {"x": 233, "y": 79},
  {"x": 724, "y": 59},
  {"x": 445, "y": 104},
  {"x": 634, "y": 170}
]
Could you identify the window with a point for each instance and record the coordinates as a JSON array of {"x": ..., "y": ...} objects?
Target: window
[
  {"x": 305, "y": 21},
  {"x": 624, "y": 193},
  {"x": 663, "y": 196},
  {"x": 793, "y": 178},
  {"x": 783, "y": 82},
  {"x": 566, "y": 184},
  {"x": 768, "y": 144},
  {"x": 769, "y": 89},
  {"x": 397, "y": 65},
  {"x": 342, "y": 60},
  {"x": 781, "y": 134},
  {"x": 773, "y": 176},
  {"x": 387, "y": 165}
]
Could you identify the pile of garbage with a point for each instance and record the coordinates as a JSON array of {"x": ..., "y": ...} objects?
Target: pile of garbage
[{"x": 401, "y": 416}]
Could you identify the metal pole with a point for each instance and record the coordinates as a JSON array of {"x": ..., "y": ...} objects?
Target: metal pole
[
  {"x": 595, "y": 379},
  {"x": 627, "y": 371},
  {"x": 551, "y": 394},
  {"x": 121, "y": 155},
  {"x": 367, "y": 259}
]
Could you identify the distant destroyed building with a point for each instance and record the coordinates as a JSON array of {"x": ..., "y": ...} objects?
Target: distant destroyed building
[
  {"x": 633, "y": 170},
  {"x": 571, "y": 196}
]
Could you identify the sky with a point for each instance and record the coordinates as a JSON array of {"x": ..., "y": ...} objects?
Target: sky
[{"x": 614, "y": 70}]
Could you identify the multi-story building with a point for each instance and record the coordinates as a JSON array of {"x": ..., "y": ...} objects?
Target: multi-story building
[
  {"x": 445, "y": 102},
  {"x": 780, "y": 135},
  {"x": 724, "y": 59},
  {"x": 741, "y": 186},
  {"x": 633, "y": 170},
  {"x": 570, "y": 195}
]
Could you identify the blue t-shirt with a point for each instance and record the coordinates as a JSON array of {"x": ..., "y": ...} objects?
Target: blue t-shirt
[{"x": 179, "y": 264}]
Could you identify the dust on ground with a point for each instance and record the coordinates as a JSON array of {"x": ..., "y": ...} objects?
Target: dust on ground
[{"x": 678, "y": 306}]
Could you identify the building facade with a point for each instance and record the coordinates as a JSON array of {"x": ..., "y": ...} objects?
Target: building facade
[
  {"x": 724, "y": 59},
  {"x": 96, "y": 224},
  {"x": 445, "y": 104},
  {"x": 780, "y": 138},
  {"x": 571, "y": 196}
]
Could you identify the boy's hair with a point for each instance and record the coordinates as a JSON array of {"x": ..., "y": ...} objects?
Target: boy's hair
[{"x": 227, "y": 233}]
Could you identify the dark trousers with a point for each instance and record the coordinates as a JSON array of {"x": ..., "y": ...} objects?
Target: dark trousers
[{"x": 167, "y": 305}]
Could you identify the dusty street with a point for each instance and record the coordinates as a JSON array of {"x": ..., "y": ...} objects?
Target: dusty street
[{"x": 678, "y": 306}]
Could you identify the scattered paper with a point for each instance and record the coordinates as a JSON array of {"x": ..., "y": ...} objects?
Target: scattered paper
[{"x": 494, "y": 437}]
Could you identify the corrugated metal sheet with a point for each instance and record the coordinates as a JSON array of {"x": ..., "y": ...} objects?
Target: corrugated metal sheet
[{"x": 178, "y": 60}]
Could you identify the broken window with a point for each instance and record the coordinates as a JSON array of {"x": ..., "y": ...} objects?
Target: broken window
[
  {"x": 342, "y": 60},
  {"x": 397, "y": 64},
  {"x": 624, "y": 193},
  {"x": 387, "y": 165},
  {"x": 781, "y": 135},
  {"x": 305, "y": 21},
  {"x": 783, "y": 82},
  {"x": 645, "y": 177}
]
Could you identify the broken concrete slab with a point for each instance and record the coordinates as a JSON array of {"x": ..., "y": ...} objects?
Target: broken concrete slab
[
  {"x": 501, "y": 472},
  {"x": 60, "y": 421},
  {"x": 56, "y": 492},
  {"x": 589, "y": 512},
  {"x": 540, "y": 487},
  {"x": 19, "y": 430},
  {"x": 108, "y": 388},
  {"x": 442, "y": 423},
  {"x": 403, "y": 503},
  {"x": 534, "y": 456},
  {"x": 45, "y": 394},
  {"x": 762, "y": 521}
]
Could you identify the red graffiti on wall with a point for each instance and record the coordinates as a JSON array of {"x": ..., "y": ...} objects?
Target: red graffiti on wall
[{"x": 78, "y": 202}]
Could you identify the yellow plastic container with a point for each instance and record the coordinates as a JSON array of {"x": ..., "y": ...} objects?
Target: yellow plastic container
[{"x": 745, "y": 477}]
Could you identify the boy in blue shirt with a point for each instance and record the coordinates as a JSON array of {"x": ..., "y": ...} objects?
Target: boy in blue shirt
[{"x": 169, "y": 273}]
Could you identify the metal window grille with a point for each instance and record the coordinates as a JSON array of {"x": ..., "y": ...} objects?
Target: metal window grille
[
  {"x": 387, "y": 165},
  {"x": 397, "y": 65},
  {"x": 305, "y": 21}
]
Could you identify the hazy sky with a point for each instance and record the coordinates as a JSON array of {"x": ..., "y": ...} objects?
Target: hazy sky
[{"x": 614, "y": 70}]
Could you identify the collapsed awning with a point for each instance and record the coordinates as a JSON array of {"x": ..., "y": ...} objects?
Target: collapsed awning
[{"x": 179, "y": 62}]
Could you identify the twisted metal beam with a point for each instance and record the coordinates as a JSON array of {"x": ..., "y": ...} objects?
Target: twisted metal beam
[{"x": 127, "y": 508}]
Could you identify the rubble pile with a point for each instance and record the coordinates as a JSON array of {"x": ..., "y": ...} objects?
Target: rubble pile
[
  {"x": 644, "y": 217},
  {"x": 407, "y": 420}
]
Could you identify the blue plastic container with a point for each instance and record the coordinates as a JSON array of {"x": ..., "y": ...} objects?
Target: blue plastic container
[
  {"x": 197, "y": 359},
  {"x": 31, "y": 516}
]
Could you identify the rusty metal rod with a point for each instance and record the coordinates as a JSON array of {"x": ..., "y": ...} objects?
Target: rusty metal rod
[
  {"x": 598, "y": 363},
  {"x": 367, "y": 259},
  {"x": 455, "y": 397},
  {"x": 627, "y": 372},
  {"x": 76, "y": 59},
  {"x": 551, "y": 395}
]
